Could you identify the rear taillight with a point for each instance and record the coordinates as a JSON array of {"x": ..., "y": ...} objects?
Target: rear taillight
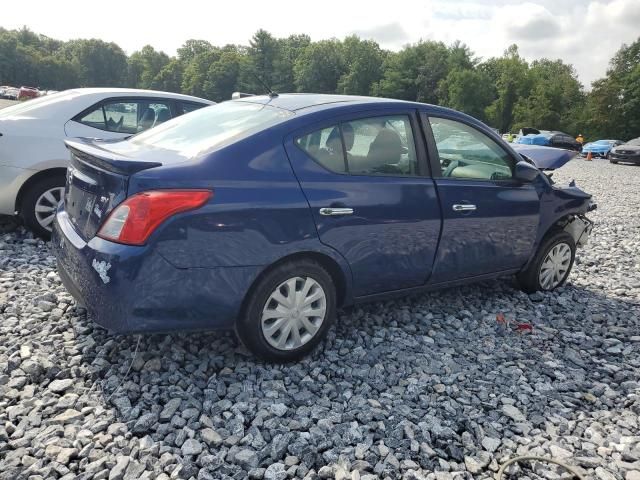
[{"x": 138, "y": 216}]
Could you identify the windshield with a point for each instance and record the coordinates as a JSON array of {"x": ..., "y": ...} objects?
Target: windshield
[
  {"x": 211, "y": 127},
  {"x": 635, "y": 141},
  {"x": 28, "y": 105}
]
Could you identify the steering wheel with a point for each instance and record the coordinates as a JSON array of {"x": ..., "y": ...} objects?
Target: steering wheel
[{"x": 453, "y": 164}]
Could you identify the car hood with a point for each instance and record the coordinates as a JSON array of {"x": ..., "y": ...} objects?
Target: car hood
[
  {"x": 602, "y": 146},
  {"x": 545, "y": 158}
]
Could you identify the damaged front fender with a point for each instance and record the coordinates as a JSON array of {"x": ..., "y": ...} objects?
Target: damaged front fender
[{"x": 579, "y": 227}]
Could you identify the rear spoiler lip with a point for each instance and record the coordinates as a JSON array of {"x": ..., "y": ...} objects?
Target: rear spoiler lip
[
  {"x": 544, "y": 158},
  {"x": 90, "y": 152}
]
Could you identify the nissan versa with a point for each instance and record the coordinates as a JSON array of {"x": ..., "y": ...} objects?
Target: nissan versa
[{"x": 265, "y": 214}]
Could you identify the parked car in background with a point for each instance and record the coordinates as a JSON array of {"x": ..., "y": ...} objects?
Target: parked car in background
[
  {"x": 600, "y": 148},
  {"x": 550, "y": 139},
  {"x": 627, "y": 152},
  {"x": 28, "y": 92},
  {"x": 33, "y": 157},
  {"x": 287, "y": 207},
  {"x": 10, "y": 93}
]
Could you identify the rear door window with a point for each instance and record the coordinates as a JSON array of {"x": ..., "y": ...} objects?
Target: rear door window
[
  {"x": 369, "y": 146},
  {"x": 325, "y": 147},
  {"x": 121, "y": 117},
  {"x": 130, "y": 117}
]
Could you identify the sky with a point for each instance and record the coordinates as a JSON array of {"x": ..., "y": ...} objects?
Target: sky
[{"x": 585, "y": 33}]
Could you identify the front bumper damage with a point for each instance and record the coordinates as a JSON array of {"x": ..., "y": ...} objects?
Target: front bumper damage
[{"x": 580, "y": 228}]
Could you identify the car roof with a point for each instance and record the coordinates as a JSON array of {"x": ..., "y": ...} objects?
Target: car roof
[
  {"x": 137, "y": 92},
  {"x": 66, "y": 104},
  {"x": 295, "y": 102}
]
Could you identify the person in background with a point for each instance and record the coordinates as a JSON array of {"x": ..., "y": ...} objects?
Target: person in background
[{"x": 580, "y": 139}]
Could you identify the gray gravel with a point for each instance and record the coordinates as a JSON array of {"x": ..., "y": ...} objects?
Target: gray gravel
[{"x": 425, "y": 387}]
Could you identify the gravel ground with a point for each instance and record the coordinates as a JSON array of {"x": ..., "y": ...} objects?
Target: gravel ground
[
  {"x": 425, "y": 387},
  {"x": 7, "y": 103}
]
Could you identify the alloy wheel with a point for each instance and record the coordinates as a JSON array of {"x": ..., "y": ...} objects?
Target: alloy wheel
[
  {"x": 294, "y": 313},
  {"x": 555, "y": 266},
  {"x": 46, "y": 206}
]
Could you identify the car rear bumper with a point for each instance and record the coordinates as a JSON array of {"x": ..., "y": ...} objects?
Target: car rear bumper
[{"x": 130, "y": 289}]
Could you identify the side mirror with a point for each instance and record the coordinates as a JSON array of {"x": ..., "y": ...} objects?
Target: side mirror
[{"x": 526, "y": 172}]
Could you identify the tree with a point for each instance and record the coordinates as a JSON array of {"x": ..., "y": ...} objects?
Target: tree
[
  {"x": 509, "y": 74},
  {"x": 144, "y": 66},
  {"x": 363, "y": 60},
  {"x": 191, "y": 48},
  {"x": 263, "y": 52},
  {"x": 319, "y": 67},
  {"x": 223, "y": 76},
  {"x": 469, "y": 91},
  {"x": 554, "y": 96},
  {"x": 169, "y": 79},
  {"x": 283, "y": 68},
  {"x": 613, "y": 105},
  {"x": 416, "y": 71},
  {"x": 99, "y": 64},
  {"x": 196, "y": 71}
]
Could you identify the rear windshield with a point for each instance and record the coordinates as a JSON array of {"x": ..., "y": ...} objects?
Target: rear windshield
[
  {"x": 211, "y": 127},
  {"x": 29, "y": 105}
]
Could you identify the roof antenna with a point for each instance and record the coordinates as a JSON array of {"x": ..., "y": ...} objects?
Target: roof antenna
[{"x": 272, "y": 94}]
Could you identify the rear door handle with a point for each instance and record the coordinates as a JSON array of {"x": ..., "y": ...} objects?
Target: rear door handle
[
  {"x": 335, "y": 211},
  {"x": 464, "y": 207}
]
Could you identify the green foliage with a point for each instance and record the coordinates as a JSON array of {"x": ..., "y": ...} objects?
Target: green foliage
[
  {"x": 509, "y": 74},
  {"x": 319, "y": 67},
  {"x": 363, "y": 60},
  {"x": 613, "y": 106},
  {"x": 554, "y": 95},
  {"x": 507, "y": 92},
  {"x": 469, "y": 91},
  {"x": 144, "y": 67},
  {"x": 98, "y": 63}
]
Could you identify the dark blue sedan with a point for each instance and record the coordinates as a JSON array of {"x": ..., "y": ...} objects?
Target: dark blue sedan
[{"x": 266, "y": 214}]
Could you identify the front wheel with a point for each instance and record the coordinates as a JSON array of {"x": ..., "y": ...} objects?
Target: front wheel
[
  {"x": 288, "y": 312},
  {"x": 551, "y": 265},
  {"x": 40, "y": 203}
]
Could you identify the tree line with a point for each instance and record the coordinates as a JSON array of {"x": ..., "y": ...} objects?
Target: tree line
[{"x": 507, "y": 92}]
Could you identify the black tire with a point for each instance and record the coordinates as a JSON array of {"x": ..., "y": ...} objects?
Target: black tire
[
  {"x": 31, "y": 196},
  {"x": 249, "y": 323},
  {"x": 529, "y": 279},
  {"x": 613, "y": 161}
]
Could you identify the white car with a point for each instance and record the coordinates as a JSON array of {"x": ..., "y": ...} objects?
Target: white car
[{"x": 33, "y": 157}]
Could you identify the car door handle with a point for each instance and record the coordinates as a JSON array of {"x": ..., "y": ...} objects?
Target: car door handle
[
  {"x": 464, "y": 207},
  {"x": 335, "y": 211}
]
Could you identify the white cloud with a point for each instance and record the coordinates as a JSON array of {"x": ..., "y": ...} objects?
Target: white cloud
[{"x": 585, "y": 33}]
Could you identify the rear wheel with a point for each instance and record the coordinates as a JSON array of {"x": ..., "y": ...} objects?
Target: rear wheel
[
  {"x": 288, "y": 312},
  {"x": 40, "y": 202},
  {"x": 552, "y": 264}
]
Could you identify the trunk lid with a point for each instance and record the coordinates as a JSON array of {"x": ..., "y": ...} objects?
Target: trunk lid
[{"x": 97, "y": 181}]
